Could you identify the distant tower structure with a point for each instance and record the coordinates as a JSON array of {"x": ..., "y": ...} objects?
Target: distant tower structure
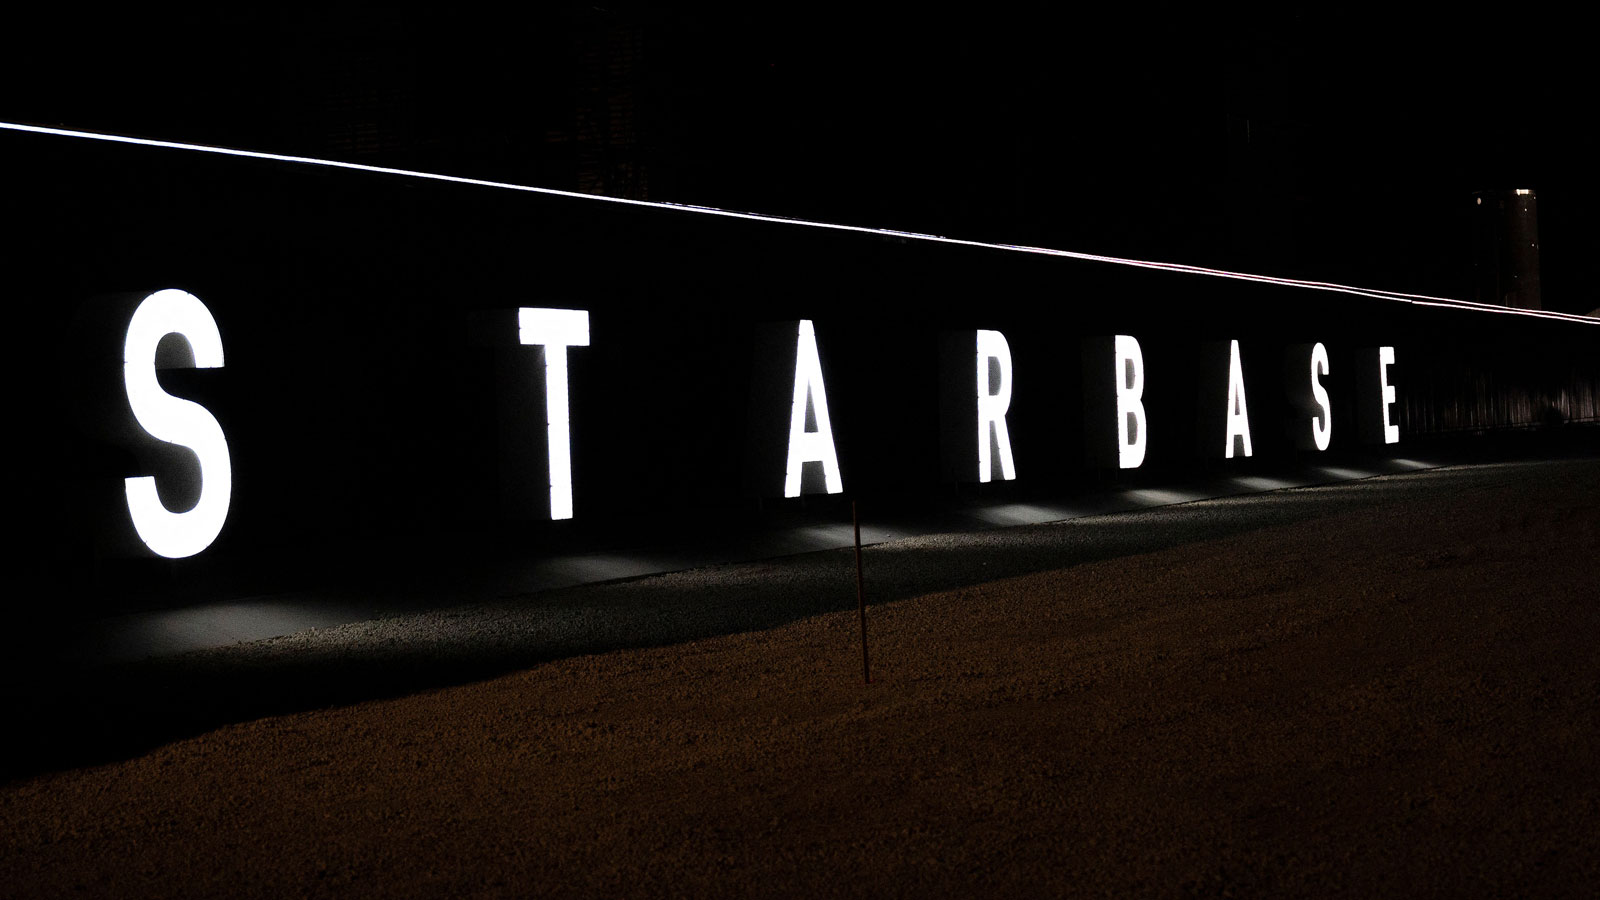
[{"x": 1505, "y": 253}]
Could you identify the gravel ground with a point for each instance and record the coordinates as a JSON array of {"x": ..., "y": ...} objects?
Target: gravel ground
[{"x": 1389, "y": 687}]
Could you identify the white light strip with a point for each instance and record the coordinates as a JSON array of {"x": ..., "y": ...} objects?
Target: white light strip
[{"x": 1373, "y": 293}]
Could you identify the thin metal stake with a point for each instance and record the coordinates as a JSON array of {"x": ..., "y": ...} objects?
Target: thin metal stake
[{"x": 861, "y": 598}]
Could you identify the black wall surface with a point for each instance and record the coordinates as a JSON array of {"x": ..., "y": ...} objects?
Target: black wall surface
[{"x": 377, "y": 403}]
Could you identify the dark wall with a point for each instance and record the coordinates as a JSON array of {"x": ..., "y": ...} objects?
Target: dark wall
[
  {"x": 1327, "y": 143},
  {"x": 375, "y": 393}
]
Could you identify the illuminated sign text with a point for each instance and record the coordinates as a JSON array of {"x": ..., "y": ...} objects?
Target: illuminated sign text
[
  {"x": 994, "y": 365},
  {"x": 809, "y": 395},
  {"x": 1238, "y": 412},
  {"x": 555, "y": 330},
  {"x": 1391, "y": 431},
  {"x": 1322, "y": 422},
  {"x": 1131, "y": 439},
  {"x": 176, "y": 421}
]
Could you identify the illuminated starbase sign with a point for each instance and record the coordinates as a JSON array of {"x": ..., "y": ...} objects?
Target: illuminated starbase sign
[
  {"x": 178, "y": 513},
  {"x": 182, "y": 533}
]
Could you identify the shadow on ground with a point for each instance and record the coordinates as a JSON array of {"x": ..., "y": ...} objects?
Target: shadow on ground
[{"x": 65, "y": 716}]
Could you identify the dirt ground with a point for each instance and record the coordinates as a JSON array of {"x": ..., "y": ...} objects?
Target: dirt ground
[{"x": 1391, "y": 689}]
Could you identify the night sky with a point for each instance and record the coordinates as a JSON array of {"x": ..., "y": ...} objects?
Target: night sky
[{"x": 1332, "y": 147}]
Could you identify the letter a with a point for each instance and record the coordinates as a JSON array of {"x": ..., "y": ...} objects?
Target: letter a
[
  {"x": 1238, "y": 415},
  {"x": 810, "y": 446}
]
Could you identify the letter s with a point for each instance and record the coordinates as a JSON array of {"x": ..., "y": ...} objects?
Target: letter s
[{"x": 177, "y": 421}]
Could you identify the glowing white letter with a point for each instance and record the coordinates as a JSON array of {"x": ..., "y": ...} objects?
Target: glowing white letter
[
  {"x": 810, "y": 446},
  {"x": 1391, "y": 431},
  {"x": 1238, "y": 415},
  {"x": 1321, "y": 424},
  {"x": 177, "y": 421},
  {"x": 993, "y": 402},
  {"x": 1130, "y": 405},
  {"x": 556, "y": 330}
]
